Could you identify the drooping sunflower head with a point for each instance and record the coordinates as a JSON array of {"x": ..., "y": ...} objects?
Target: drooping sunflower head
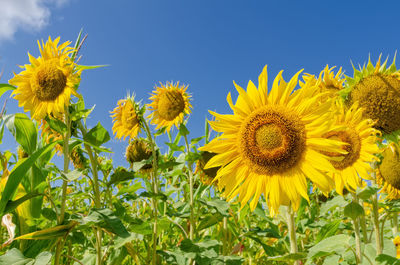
[
  {"x": 388, "y": 174},
  {"x": 206, "y": 175},
  {"x": 78, "y": 159},
  {"x": 138, "y": 150},
  {"x": 49, "y": 135},
  {"x": 377, "y": 89},
  {"x": 271, "y": 143},
  {"x": 45, "y": 85},
  {"x": 170, "y": 103},
  {"x": 360, "y": 139},
  {"x": 127, "y": 118}
]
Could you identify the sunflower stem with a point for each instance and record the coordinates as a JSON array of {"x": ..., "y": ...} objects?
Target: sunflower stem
[
  {"x": 60, "y": 243},
  {"x": 363, "y": 223},
  {"x": 96, "y": 189},
  {"x": 292, "y": 232},
  {"x": 357, "y": 233},
  {"x": 375, "y": 214},
  {"x": 155, "y": 190},
  {"x": 191, "y": 200},
  {"x": 395, "y": 224}
]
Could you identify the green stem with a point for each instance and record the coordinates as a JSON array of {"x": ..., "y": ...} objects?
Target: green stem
[
  {"x": 155, "y": 190},
  {"x": 395, "y": 223},
  {"x": 96, "y": 190},
  {"x": 292, "y": 232},
  {"x": 375, "y": 214},
  {"x": 225, "y": 233},
  {"x": 60, "y": 243},
  {"x": 357, "y": 233},
  {"x": 191, "y": 200},
  {"x": 363, "y": 222}
]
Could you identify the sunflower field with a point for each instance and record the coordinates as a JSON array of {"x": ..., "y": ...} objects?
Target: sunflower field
[{"x": 302, "y": 171}]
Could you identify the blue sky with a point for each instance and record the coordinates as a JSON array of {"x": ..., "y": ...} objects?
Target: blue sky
[{"x": 206, "y": 44}]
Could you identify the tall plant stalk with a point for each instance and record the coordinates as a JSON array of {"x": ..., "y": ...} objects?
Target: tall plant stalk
[
  {"x": 375, "y": 214},
  {"x": 191, "y": 200},
  {"x": 292, "y": 232},
  {"x": 67, "y": 135},
  {"x": 154, "y": 178},
  {"x": 356, "y": 223},
  {"x": 96, "y": 191}
]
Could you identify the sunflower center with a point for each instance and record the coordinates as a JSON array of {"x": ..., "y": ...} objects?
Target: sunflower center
[
  {"x": 128, "y": 116},
  {"x": 139, "y": 150},
  {"x": 352, "y": 147},
  {"x": 379, "y": 95},
  {"x": 272, "y": 140},
  {"x": 390, "y": 168},
  {"x": 170, "y": 105},
  {"x": 49, "y": 81}
]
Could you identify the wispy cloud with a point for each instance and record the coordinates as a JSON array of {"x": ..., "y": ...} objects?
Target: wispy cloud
[{"x": 28, "y": 15}]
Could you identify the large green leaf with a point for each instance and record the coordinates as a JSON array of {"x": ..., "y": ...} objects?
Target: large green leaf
[
  {"x": 15, "y": 257},
  {"x": 23, "y": 129},
  {"x": 5, "y": 87},
  {"x": 97, "y": 135},
  {"x": 334, "y": 244},
  {"x": 106, "y": 219},
  {"x": 18, "y": 172}
]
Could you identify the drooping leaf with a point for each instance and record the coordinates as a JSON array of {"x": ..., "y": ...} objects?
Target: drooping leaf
[
  {"x": 97, "y": 135},
  {"x": 23, "y": 129},
  {"x": 353, "y": 210},
  {"x": 50, "y": 233},
  {"x": 106, "y": 219}
]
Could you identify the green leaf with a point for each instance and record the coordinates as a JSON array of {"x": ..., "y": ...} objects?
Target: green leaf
[
  {"x": 23, "y": 129},
  {"x": 106, "y": 219},
  {"x": 183, "y": 130},
  {"x": 209, "y": 220},
  {"x": 15, "y": 257},
  {"x": 221, "y": 206},
  {"x": 72, "y": 175},
  {"x": 327, "y": 230},
  {"x": 159, "y": 195},
  {"x": 5, "y": 87},
  {"x": 120, "y": 174},
  {"x": 330, "y": 205},
  {"x": 12, "y": 205},
  {"x": 43, "y": 258},
  {"x": 384, "y": 259},
  {"x": 57, "y": 125},
  {"x": 334, "y": 244},
  {"x": 18, "y": 172},
  {"x": 353, "y": 210},
  {"x": 366, "y": 193},
  {"x": 97, "y": 135},
  {"x": 89, "y": 67}
]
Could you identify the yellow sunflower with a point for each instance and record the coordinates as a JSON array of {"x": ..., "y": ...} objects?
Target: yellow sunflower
[
  {"x": 360, "y": 138},
  {"x": 49, "y": 135},
  {"x": 271, "y": 143},
  {"x": 396, "y": 242},
  {"x": 206, "y": 175},
  {"x": 127, "y": 118},
  {"x": 328, "y": 82},
  {"x": 45, "y": 86},
  {"x": 388, "y": 174},
  {"x": 138, "y": 150},
  {"x": 170, "y": 104},
  {"x": 377, "y": 89}
]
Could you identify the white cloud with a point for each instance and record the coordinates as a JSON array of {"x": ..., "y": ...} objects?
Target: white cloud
[{"x": 28, "y": 15}]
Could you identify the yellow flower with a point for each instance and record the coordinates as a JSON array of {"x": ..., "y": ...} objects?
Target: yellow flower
[
  {"x": 49, "y": 135},
  {"x": 396, "y": 242},
  {"x": 271, "y": 143},
  {"x": 377, "y": 90},
  {"x": 77, "y": 158},
  {"x": 360, "y": 139},
  {"x": 126, "y": 118},
  {"x": 170, "y": 104},
  {"x": 388, "y": 174},
  {"x": 45, "y": 85}
]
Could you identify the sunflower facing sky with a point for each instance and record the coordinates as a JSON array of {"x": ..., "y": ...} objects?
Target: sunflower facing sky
[
  {"x": 127, "y": 118},
  {"x": 45, "y": 85},
  {"x": 170, "y": 103},
  {"x": 377, "y": 89},
  {"x": 271, "y": 143},
  {"x": 360, "y": 138}
]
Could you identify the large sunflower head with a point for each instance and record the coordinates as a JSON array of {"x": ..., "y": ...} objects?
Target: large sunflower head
[
  {"x": 127, "y": 118},
  {"x": 271, "y": 143},
  {"x": 170, "y": 103},
  {"x": 388, "y": 174},
  {"x": 377, "y": 89},
  {"x": 138, "y": 150},
  {"x": 360, "y": 138},
  {"x": 45, "y": 85}
]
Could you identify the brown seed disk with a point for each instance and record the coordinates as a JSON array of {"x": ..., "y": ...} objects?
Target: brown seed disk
[
  {"x": 272, "y": 140},
  {"x": 170, "y": 105},
  {"x": 49, "y": 81}
]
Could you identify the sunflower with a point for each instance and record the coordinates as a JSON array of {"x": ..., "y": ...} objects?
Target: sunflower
[
  {"x": 78, "y": 159},
  {"x": 377, "y": 89},
  {"x": 271, "y": 143},
  {"x": 138, "y": 150},
  {"x": 360, "y": 138},
  {"x": 170, "y": 103},
  {"x": 45, "y": 86},
  {"x": 328, "y": 82},
  {"x": 388, "y": 174},
  {"x": 127, "y": 118},
  {"x": 206, "y": 175},
  {"x": 396, "y": 242}
]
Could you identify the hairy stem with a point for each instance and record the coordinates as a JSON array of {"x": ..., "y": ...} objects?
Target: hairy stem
[
  {"x": 292, "y": 232},
  {"x": 357, "y": 233}
]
